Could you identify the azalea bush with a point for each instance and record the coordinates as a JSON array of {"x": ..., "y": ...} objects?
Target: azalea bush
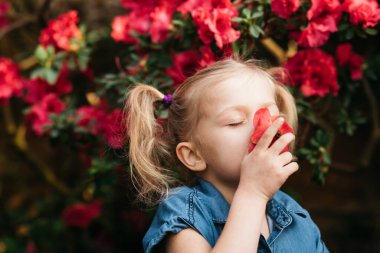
[{"x": 65, "y": 67}]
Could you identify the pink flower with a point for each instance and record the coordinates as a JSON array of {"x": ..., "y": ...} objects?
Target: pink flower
[
  {"x": 161, "y": 22},
  {"x": 323, "y": 7},
  {"x": 215, "y": 23},
  {"x": 323, "y": 17},
  {"x": 124, "y": 26},
  {"x": 184, "y": 65},
  {"x": 39, "y": 114},
  {"x": 208, "y": 56},
  {"x": 355, "y": 64},
  {"x": 98, "y": 121},
  {"x": 144, "y": 17},
  {"x": 364, "y": 12},
  {"x": 318, "y": 32},
  {"x": 346, "y": 57},
  {"x": 114, "y": 129},
  {"x": 37, "y": 88},
  {"x": 11, "y": 82},
  {"x": 81, "y": 215},
  {"x": 314, "y": 72},
  {"x": 190, "y": 5},
  {"x": 61, "y": 31},
  {"x": 89, "y": 117},
  {"x": 4, "y": 9},
  {"x": 343, "y": 53},
  {"x": 285, "y": 8}
]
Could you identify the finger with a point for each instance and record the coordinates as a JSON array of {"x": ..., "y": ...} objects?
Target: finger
[
  {"x": 281, "y": 143},
  {"x": 285, "y": 158},
  {"x": 267, "y": 137},
  {"x": 290, "y": 168}
]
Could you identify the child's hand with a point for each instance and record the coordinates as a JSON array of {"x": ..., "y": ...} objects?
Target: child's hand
[
  {"x": 261, "y": 121},
  {"x": 265, "y": 169}
]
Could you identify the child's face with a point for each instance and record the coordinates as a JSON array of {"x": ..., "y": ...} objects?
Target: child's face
[{"x": 225, "y": 129}]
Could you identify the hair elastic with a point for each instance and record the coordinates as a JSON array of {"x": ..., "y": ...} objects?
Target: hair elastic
[{"x": 167, "y": 100}]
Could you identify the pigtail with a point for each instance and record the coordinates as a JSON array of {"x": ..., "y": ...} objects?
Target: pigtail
[{"x": 148, "y": 150}]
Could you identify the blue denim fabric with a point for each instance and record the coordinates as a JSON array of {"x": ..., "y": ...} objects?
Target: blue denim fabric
[{"x": 203, "y": 208}]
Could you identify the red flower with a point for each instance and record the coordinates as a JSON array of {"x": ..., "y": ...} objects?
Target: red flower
[
  {"x": 89, "y": 117},
  {"x": 11, "y": 82},
  {"x": 364, "y": 12},
  {"x": 215, "y": 23},
  {"x": 98, "y": 121},
  {"x": 261, "y": 121},
  {"x": 208, "y": 56},
  {"x": 285, "y": 8},
  {"x": 4, "y": 8},
  {"x": 80, "y": 215},
  {"x": 61, "y": 32},
  {"x": 346, "y": 57},
  {"x": 144, "y": 17},
  {"x": 31, "y": 247},
  {"x": 314, "y": 71},
  {"x": 190, "y": 5},
  {"x": 38, "y": 88},
  {"x": 124, "y": 26},
  {"x": 355, "y": 64},
  {"x": 39, "y": 113},
  {"x": 113, "y": 129},
  {"x": 343, "y": 53},
  {"x": 323, "y": 17},
  {"x": 161, "y": 22},
  {"x": 184, "y": 65}
]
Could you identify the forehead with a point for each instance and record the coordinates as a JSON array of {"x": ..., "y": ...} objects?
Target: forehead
[{"x": 251, "y": 89}]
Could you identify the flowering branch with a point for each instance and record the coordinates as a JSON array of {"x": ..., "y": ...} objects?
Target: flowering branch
[{"x": 27, "y": 19}]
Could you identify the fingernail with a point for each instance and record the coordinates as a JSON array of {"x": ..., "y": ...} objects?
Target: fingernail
[{"x": 281, "y": 120}]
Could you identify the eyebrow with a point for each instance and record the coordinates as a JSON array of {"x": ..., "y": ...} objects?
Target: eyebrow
[{"x": 242, "y": 107}]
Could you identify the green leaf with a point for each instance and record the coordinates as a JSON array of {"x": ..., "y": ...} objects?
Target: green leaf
[
  {"x": 326, "y": 158},
  {"x": 370, "y": 31},
  {"x": 349, "y": 34},
  {"x": 255, "y": 31},
  {"x": 257, "y": 15},
  {"x": 237, "y": 19},
  {"x": 41, "y": 54},
  {"x": 246, "y": 13},
  {"x": 50, "y": 75},
  {"x": 343, "y": 26}
]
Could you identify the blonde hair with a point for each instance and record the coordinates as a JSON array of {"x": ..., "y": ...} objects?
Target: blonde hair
[{"x": 152, "y": 148}]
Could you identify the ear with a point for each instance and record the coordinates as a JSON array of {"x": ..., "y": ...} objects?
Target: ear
[{"x": 189, "y": 156}]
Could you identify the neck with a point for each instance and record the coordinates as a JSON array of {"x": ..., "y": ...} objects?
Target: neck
[{"x": 226, "y": 189}]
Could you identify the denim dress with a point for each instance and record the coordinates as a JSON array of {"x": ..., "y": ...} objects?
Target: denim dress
[{"x": 203, "y": 208}]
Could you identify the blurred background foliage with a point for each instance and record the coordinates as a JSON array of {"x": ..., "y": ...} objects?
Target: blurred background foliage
[{"x": 65, "y": 67}]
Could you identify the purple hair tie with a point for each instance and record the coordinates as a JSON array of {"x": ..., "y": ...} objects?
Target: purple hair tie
[{"x": 167, "y": 100}]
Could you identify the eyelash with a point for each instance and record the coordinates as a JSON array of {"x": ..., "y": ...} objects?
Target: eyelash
[{"x": 236, "y": 124}]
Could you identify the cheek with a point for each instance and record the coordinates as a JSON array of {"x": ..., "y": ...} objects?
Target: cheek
[{"x": 227, "y": 146}]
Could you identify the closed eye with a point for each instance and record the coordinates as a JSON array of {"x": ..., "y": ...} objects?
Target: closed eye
[{"x": 235, "y": 124}]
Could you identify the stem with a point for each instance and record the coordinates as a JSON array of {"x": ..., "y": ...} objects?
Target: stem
[
  {"x": 42, "y": 12},
  {"x": 275, "y": 49},
  {"x": 20, "y": 23}
]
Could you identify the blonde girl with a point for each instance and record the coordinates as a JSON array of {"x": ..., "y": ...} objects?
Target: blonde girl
[{"x": 213, "y": 195}]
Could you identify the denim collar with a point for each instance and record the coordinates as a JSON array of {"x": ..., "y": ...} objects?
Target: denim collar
[{"x": 218, "y": 207}]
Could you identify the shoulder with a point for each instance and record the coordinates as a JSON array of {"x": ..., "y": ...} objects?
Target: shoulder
[
  {"x": 288, "y": 202},
  {"x": 181, "y": 209}
]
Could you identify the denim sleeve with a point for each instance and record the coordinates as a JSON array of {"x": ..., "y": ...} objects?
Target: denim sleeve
[
  {"x": 321, "y": 246},
  {"x": 312, "y": 231},
  {"x": 174, "y": 215},
  {"x": 302, "y": 234}
]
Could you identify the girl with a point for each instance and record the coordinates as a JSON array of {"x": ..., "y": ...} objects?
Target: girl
[{"x": 229, "y": 200}]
